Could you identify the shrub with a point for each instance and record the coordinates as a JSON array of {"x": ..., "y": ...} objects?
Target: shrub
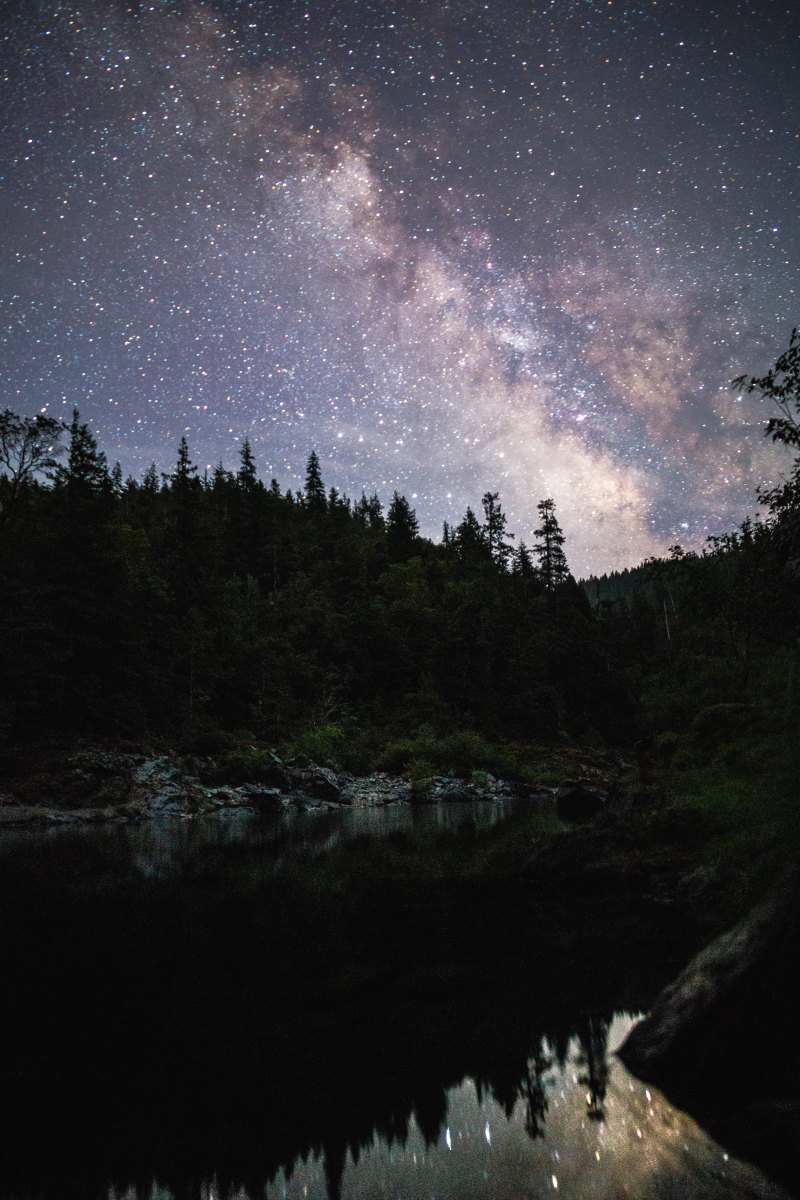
[{"x": 249, "y": 765}]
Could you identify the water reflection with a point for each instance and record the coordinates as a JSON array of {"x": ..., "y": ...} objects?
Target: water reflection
[
  {"x": 160, "y": 846},
  {"x": 229, "y": 1033},
  {"x": 639, "y": 1147}
]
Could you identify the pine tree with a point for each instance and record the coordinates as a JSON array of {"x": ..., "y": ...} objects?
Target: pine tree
[
  {"x": 402, "y": 528},
  {"x": 315, "y": 489},
  {"x": 221, "y": 479},
  {"x": 548, "y": 546},
  {"x": 370, "y": 511},
  {"x": 247, "y": 477},
  {"x": 183, "y": 478},
  {"x": 150, "y": 481},
  {"x": 117, "y": 485},
  {"x": 523, "y": 563},
  {"x": 494, "y": 530},
  {"x": 469, "y": 539},
  {"x": 86, "y": 471}
]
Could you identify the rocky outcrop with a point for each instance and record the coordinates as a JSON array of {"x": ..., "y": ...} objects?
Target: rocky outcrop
[{"x": 131, "y": 784}]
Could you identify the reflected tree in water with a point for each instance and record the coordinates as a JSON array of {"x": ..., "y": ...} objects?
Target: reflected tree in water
[
  {"x": 593, "y": 1038},
  {"x": 430, "y": 1111},
  {"x": 535, "y": 1093}
]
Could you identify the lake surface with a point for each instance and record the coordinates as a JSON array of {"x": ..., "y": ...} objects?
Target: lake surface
[
  {"x": 180, "y": 1025},
  {"x": 564, "y": 1140},
  {"x": 162, "y": 846}
]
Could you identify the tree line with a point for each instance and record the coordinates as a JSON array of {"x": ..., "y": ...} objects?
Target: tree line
[
  {"x": 219, "y": 610},
  {"x": 192, "y": 605}
]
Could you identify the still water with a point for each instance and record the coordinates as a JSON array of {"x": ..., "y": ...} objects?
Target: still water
[
  {"x": 565, "y": 1139},
  {"x": 161, "y": 846},
  {"x": 171, "y": 1035}
]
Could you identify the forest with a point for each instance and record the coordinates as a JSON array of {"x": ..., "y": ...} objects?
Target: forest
[
  {"x": 218, "y": 613},
  {"x": 218, "y": 620}
]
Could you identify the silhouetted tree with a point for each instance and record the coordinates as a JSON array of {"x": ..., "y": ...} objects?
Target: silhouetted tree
[
  {"x": 314, "y": 493},
  {"x": 247, "y": 477},
  {"x": 402, "y": 528},
  {"x": 86, "y": 470},
  {"x": 469, "y": 540},
  {"x": 494, "y": 530},
  {"x": 549, "y": 545},
  {"x": 183, "y": 478},
  {"x": 28, "y": 447}
]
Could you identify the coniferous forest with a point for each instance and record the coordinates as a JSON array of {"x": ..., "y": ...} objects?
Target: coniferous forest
[
  {"x": 217, "y": 611},
  {"x": 223, "y": 624},
  {"x": 201, "y": 609}
]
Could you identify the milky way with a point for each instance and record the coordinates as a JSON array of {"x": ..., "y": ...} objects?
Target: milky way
[{"x": 455, "y": 247}]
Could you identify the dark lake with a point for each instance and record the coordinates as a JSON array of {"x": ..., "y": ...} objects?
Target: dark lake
[{"x": 240, "y": 1008}]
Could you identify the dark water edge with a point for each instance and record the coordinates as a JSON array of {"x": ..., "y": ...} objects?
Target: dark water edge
[{"x": 225, "y": 1022}]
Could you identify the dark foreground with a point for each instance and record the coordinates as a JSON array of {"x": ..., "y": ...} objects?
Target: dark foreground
[
  {"x": 231, "y": 1020},
  {"x": 227, "y": 1021}
]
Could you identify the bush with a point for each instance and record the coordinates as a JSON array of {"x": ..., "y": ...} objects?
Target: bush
[
  {"x": 249, "y": 765},
  {"x": 457, "y": 754},
  {"x": 420, "y": 773},
  {"x": 321, "y": 743}
]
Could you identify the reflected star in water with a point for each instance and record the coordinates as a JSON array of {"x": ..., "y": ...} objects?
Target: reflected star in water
[{"x": 641, "y": 1147}]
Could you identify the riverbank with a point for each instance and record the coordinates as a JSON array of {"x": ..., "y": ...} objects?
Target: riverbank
[
  {"x": 593, "y": 873},
  {"x": 59, "y": 783},
  {"x": 601, "y": 831}
]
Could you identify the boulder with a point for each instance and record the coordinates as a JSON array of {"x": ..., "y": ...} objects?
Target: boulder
[
  {"x": 372, "y": 791},
  {"x": 263, "y": 799},
  {"x": 318, "y": 782},
  {"x": 452, "y": 790},
  {"x": 723, "y": 1041}
]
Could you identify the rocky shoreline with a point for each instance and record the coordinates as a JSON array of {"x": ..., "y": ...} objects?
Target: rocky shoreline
[{"x": 96, "y": 785}]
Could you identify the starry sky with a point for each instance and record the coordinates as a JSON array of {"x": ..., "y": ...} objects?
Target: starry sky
[{"x": 453, "y": 246}]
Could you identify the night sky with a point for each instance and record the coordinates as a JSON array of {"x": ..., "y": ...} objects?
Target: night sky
[{"x": 454, "y": 247}]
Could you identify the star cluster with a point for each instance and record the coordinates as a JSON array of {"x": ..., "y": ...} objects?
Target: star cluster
[{"x": 454, "y": 246}]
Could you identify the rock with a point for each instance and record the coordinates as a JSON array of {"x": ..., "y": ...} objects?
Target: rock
[
  {"x": 303, "y": 802},
  {"x": 264, "y": 799},
  {"x": 577, "y": 802},
  {"x": 723, "y": 1041},
  {"x": 170, "y": 800},
  {"x": 224, "y": 797},
  {"x": 452, "y": 790},
  {"x": 370, "y": 791},
  {"x": 97, "y": 762},
  {"x": 319, "y": 782},
  {"x": 324, "y": 784},
  {"x": 162, "y": 768},
  {"x": 531, "y": 791}
]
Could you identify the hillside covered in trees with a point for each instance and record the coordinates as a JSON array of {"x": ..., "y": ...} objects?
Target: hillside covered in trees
[{"x": 215, "y": 611}]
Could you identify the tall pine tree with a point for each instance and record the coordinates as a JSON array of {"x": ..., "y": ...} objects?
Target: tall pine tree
[
  {"x": 402, "y": 529},
  {"x": 549, "y": 546},
  {"x": 314, "y": 493},
  {"x": 494, "y": 530},
  {"x": 86, "y": 469}
]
